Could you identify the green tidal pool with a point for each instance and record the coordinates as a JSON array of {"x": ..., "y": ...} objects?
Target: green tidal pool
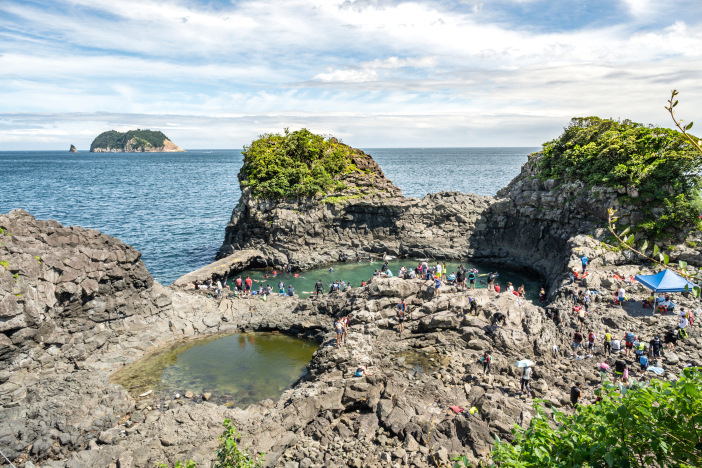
[
  {"x": 237, "y": 369},
  {"x": 355, "y": 273}
]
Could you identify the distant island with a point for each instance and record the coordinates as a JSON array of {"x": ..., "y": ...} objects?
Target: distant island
[
  {"x": 133, "y": 141},
  {"x": 73, "y": 149}
]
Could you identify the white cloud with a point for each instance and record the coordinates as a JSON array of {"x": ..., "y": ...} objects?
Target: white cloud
[
  {"x": 418, "y": 65},
  {"x": 350, "y": 76}
]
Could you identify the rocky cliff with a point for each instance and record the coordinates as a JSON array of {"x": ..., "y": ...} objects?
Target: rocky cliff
[
  {"x": 73, "y": 149},
  {"x": 540, "y": 225},
  {"x": 76, "y": 305},
  {"x": 133, "y": 141}
]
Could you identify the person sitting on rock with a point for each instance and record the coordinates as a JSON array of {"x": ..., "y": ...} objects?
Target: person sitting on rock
[
  {"x": 473, "y": 306},
  {"x": 362, "y": 371},
  {"x": 497, "y": 288},
  {"x": 291, "y": 290}
]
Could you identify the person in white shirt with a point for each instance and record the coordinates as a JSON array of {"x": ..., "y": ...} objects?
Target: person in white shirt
[
  {"x": 438, "y": 270},
  {"x": 616, "y": 345},
  {"x": 621, "y": 294}
]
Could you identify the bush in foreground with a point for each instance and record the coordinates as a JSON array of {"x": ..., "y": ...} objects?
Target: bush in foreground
[{"x": 654, "y": 425}]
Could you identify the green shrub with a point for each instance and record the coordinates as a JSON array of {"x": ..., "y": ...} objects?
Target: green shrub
[
  {"x": 294, "y": 165},
  {"x": 229, "y": 454},
  {"x": 655, "y": 425},
  {"x": 5, "y": 264},
  {"x": 659, "y": 162}
]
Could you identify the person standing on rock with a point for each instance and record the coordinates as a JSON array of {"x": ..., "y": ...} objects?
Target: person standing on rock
[
  {"x": 619, "y": 369},
  {"x": 584, "y": 261},
  {"x": 655, "y": 347},
  {"x": 438, "y": 270},
  {"x": 591, "y": 338},
  {"x": 581, "y": 316},
  {"x": 437, "y": 286},
  {"x": 575, "y": 394},
  {"x": 577, "y": 340},
  {"x": 401, "y": 310},
  {"x": 319, "y": 287},
  {"x": 248, "y": 284},
  {"x": 239, "y": 283},
  {"x": 471, "y": 279},
  {"x": 629, "y": 338},
  {"x": 486, "y": 359},
  {"x": 526, "y": 378},
  {"x": 607, "y": 341},
  {"x": 339, "y": 327},
  {"x": 345, "y": 322}
]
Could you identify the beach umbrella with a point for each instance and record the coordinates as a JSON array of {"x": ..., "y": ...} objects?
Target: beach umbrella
[{"x": 524, "y": 363}]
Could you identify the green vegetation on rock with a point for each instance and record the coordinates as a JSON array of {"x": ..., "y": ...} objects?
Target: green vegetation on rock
[
  {"x": 659, "y": 163},
  {"x": 655, "y": 425},
  {"x": 117, "y": 140},
  {"x": 295, "y": 164}
]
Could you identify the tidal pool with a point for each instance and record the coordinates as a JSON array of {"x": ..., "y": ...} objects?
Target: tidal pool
[
  {"x": 237, "y": 369},
  {"x": 354, "y": 272}
]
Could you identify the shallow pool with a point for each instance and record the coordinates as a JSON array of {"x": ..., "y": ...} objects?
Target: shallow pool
[
  {"x": 355, "y": 272},
  {"x": 237, "y": 369}
]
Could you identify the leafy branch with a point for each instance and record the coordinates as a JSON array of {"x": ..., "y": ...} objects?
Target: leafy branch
[
  {"x": 663, "y": 259},
  {"x": 672, "y": 102}
]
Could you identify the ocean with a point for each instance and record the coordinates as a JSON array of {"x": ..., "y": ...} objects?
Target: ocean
[{"x": 173, "y": 207}]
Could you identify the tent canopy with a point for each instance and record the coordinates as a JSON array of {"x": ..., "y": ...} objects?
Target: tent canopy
[{"x": 665, "y": 281}]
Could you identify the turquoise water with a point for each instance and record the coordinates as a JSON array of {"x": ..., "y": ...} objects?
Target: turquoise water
[
  {"x": 228, "y": 367},
  {"x": 174, "y": 207},
  {"x": 355, "y": 273}
]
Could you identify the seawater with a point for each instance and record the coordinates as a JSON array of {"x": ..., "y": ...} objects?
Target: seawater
[
  {"x": 173, "y": 207},
  {"x": 354, "y": 272},
  {"x": 228, "y": 367}
]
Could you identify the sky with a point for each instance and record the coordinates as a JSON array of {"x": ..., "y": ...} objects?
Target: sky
[{"x": 375, "y": 73}]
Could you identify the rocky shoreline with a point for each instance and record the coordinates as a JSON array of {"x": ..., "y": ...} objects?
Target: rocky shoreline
[{"x": 76, "y": 305}]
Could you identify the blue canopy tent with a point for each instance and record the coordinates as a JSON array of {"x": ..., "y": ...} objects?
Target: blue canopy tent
[{"x": 665, "y": 281}]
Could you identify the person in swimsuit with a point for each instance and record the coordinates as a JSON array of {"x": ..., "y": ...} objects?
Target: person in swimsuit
[
  {"x": 339, "y": 332},
  {"x": 345, "y": 322},
  {"x": 401, "y": 309}
]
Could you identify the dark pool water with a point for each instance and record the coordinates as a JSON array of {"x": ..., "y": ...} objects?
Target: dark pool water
[
  {"x": 237, "y": 369},
  {"x": 355, "y": 272}
]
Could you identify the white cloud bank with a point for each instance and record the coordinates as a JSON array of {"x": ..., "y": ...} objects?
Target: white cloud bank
[{"x": 376, "y": 73}]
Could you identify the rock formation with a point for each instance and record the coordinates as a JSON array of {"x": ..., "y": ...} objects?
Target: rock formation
[
  {"x": 133, "y": 141},
  {"x": 73, "y": 149}
]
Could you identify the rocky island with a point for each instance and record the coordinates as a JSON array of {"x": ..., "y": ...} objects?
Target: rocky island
[
  {"x": 133, "y": 141},
  {"x": 77, "y": 305},
  {"x": 73, "y": 149}
]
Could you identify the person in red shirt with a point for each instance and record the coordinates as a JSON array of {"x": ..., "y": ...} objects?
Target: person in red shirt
[
  {"x": 497, "y": 288},
  {"x": 248, "y": 283}
]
